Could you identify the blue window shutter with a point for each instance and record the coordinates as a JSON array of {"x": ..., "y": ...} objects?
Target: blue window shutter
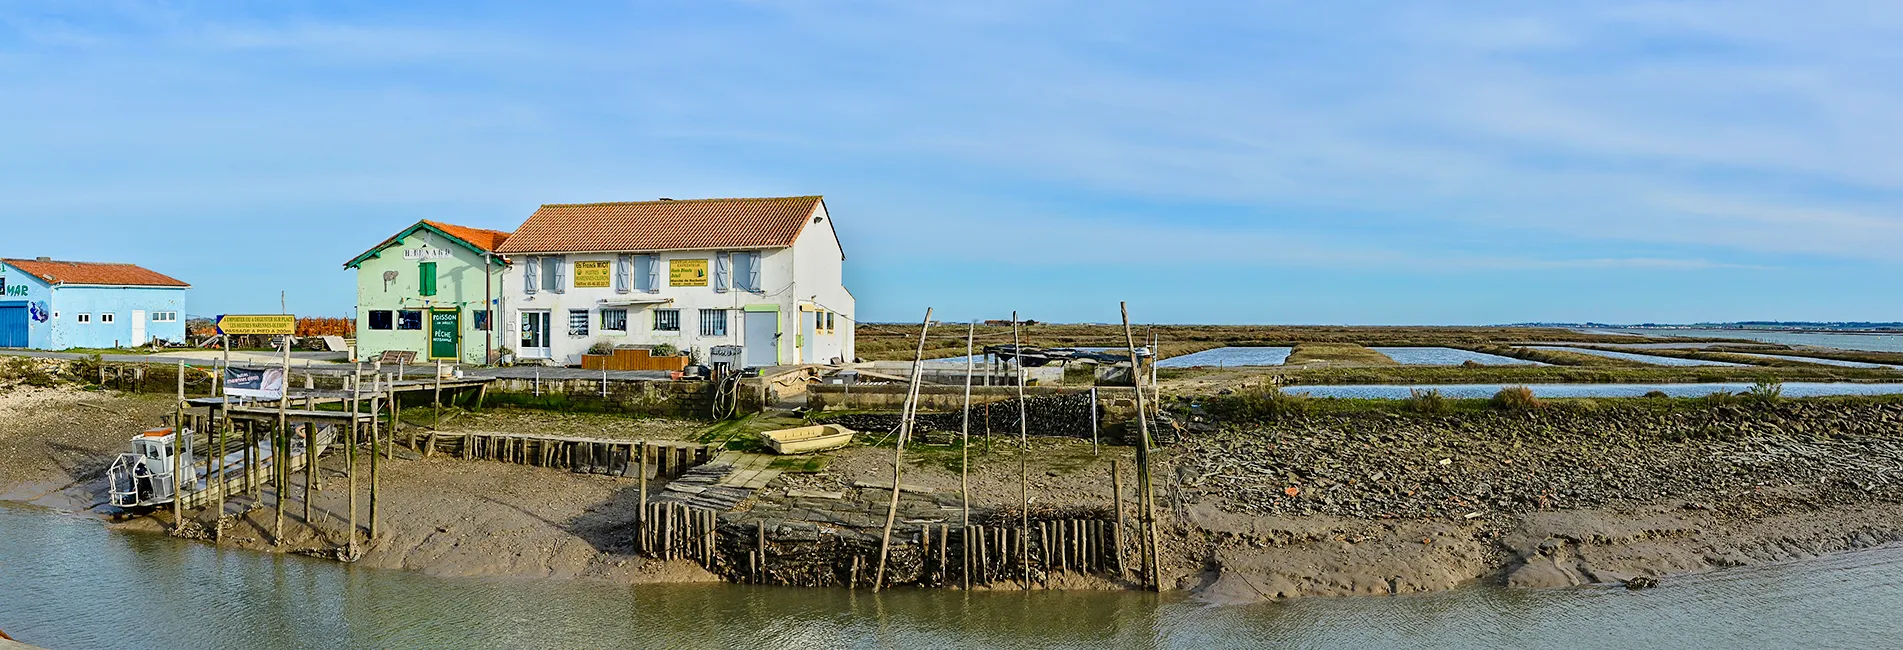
[
  {"x": 753, "y": 271},
  {"x": 720, "y": 272},
  {"x": 654, "y": 273},
  {"x": 531, "y": 272},
  {"x": 561, "y": 274},
  {"x": 624, "y": 274}
]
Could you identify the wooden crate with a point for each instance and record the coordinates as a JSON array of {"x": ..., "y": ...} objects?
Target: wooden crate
[{"x": 632, "y": 359}]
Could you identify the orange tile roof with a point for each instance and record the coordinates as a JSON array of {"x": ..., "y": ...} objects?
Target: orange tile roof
[
  {"x": 58, "y": 272},
  {"x": 692, "y": 224},
  {"x": 479, "y": 237}
]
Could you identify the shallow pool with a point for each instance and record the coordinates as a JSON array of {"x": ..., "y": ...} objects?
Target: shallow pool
[{"x": 1827, "y": 362}]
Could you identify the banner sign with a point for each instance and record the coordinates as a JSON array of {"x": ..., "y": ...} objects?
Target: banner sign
[
  {"x": 592, "y": 274},
  {"x": 266, "y": 324},
  {"x": 687, "y": 273},
  {"x": 255, "y": 383},
  {"x": 445, "y": 327}
]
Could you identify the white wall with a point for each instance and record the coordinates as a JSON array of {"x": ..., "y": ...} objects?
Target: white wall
[{"x": 819, "y": 266}]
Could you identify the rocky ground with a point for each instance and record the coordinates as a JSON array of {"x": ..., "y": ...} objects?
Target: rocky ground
[{"x": 1371, "y": 502}]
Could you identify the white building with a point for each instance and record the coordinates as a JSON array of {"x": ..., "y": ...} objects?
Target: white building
[{"x": 761, "y": 273}]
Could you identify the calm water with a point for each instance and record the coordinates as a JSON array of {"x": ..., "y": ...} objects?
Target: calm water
[
  {"x": 1400, "y": 391},
  {"x": 1641, "y": 358},
  {"x": 1448, "y": 357},
  {"x": 1227, "y": 357},
  {"x": 66, "y": 583},
  {"x": 1827, "y": 362},
  {"x": 1873, "y": 342}
]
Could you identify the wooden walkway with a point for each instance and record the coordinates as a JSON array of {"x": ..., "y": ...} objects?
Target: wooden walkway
[{"x": 723, "y": 483}]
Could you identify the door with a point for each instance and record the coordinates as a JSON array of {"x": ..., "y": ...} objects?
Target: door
[
  {"x": 138, "y": 327},
  {"x": 535, "y": 335},
  {"x": 445, "y": 334},
  {"x": 763, "y": 339},
  {"x": 13, "y": 325},
  {"x": 809, "y": 330}
]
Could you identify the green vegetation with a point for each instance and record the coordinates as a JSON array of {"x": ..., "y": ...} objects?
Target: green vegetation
[
  {"x": 898, "y": 341},
  {"x": 1261, "y": 402},
  {"x": 1556, "y": 357},
  {"x": 1426, "y": 402}
]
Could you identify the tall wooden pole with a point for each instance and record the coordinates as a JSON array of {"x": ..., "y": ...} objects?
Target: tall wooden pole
[
  {"x": 964, "y": 427},
  {"x": 178, "y": 451},
  {"x": 898, "y": 451},
  {"x": 350, "y": 456},
  {"x": 1146, "y": 494},
  {"x": 224, "y": 430},
  {"x": 1024, "y": 453}
]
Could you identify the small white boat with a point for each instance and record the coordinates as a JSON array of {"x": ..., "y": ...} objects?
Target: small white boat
[{"x": 806, "y": 440}]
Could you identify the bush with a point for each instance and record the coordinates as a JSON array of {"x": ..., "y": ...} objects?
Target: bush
[
  {"x": 1515, "y": 398},
  {"x": 1656, "y": 394},
  {"x": 85, "y": 371},
  {"x": 1260, "y": 403},
  {"x": 22, "y": 370},
  {"x": 601, "y": 347},
  {"x": 1765, "y": 392},
  {"x": 1426, "y": 401},
  {"x": 664, "y": 350}
]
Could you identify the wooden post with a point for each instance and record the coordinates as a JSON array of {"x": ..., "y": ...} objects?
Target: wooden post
[
  {"x": 1024, "y": 452},
  {"x": 224, "y": 428},
  {"x": 1093, "y": 421},
  {"x": 375, "y": 442},
  {"x": 1116, "y": 527},
  {"x": 280, "y": 456},
  {"x": 964, "y": 429},
  {"x": 898, "y": 451},
  {"x": 641, "y": 522},
  {"x": 1146, "y": 495}
]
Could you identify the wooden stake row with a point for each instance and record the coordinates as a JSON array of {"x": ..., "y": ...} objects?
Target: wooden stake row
[{"x": 588, "y": 456}]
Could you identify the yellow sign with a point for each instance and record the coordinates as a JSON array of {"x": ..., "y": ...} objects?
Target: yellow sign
[
  {"x": 592, "y": 274},
  {"x": 687, "y": 273},
  {"x": 266, "y": 324}
]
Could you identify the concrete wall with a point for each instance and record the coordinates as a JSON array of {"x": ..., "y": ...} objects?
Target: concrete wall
[
  {"x": 23, "y": 289},
  {"x": 68, "y": 301},
  {"x": 459, "y": 288},
  {"x": 805, "y": 276}
]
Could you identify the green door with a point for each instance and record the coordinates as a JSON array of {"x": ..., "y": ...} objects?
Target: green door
[{"x": 445, "y": 332}]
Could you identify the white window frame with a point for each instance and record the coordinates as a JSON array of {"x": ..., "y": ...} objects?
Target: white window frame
[
  {"x": 605, "y": 329},
  {"x": 656, "y": 321},
  {"x": 583, "y": 331},
  {"x": 105, "y": 317},
  {"x": 82, "y": 317}
]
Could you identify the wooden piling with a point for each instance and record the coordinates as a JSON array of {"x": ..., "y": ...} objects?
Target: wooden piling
[
  {"x": 1116, "y": 527},
  {"x": 964, "y": 429},
  {"x": 898, "y": 452},
  {"x": 1146, "y": 494},
  {"x": 1024, "y": 452},
  {"x": 350, "y": 462}
]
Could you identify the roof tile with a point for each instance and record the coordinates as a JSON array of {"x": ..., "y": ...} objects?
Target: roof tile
[
  {"x": 693, "y": 224},
  {"x": 58, "y": 272}
]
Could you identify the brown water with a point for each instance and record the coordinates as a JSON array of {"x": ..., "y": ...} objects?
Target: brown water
[{"x": 67, "y": 583}]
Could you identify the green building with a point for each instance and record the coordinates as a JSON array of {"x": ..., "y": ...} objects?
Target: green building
[{"x": 424, "y": 291}]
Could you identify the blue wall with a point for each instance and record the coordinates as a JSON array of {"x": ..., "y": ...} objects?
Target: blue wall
[
  {"x": 70, "y": 301},
  {"x": 24, "y": 288}
]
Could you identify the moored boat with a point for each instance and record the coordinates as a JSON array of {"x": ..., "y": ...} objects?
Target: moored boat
[{"x": 806, "y": 440}]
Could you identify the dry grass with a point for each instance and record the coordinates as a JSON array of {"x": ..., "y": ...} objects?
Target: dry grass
[
  {"x": 898, "y": 341},
  {"x": 1337, "y": 354}
]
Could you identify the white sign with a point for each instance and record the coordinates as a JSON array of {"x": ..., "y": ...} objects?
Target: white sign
[{"x": 425, "y": 253}]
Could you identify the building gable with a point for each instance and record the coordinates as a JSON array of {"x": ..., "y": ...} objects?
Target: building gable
[{"x": 475, "y": 240}]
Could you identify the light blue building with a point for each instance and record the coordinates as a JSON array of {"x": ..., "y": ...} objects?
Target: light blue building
[{"x": 52, "y": 305}]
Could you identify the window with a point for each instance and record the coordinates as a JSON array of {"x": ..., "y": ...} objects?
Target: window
[
  {"x": 577, "y": 322},
  {"x": 746, "y": 271},
  {"x": 481, "y": 318},
  {"x": 614, "y": 320},
  {"x": 552, "y": 275},
  {"x": 647, "y": 273},
  {"x": 426, "y": 279},
  {"x": 667, "y": 320},
  {"x": 105, "y": 317},
  {"x": 380, "y": 319},
  {"x": 82, "y": 318},
  {"x": 713, "y": 322},
  {"x": 829, "y": 322},
  {"x": 164, "y": 317},
  {"x": 409, "y": 319}
]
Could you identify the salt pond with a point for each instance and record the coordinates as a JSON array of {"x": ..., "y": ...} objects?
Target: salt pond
[
  {"x": 1641, "y": 358},
  {"x": 1429, "y": 356},
  {"x": 1225, "y": 357},
  {"x": 1400, "y": 391},
  {"x": 1827, "y": 362}
]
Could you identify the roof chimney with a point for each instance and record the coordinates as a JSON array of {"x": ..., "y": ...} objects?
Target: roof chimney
[
  {"x": 42, "y": 259},
  {"x": 666, "y": 199}
]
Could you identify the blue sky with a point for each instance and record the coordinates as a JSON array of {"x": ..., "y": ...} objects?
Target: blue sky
[{"x": 1250, "y": 162}]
